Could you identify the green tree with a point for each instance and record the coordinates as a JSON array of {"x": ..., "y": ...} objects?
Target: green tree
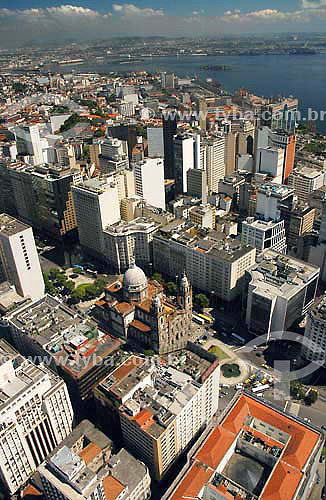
[
  {"x": 297, "y": 390},
  {"x": 49, "y": 287},
  {"x": 170, "y": 288},
  {"x": 69, "y": 287},
  {"x": 201, "y": 301},
  {"x": 19, "y": 87},
  {"x": 72, "y": 121},
  {"x": 157, "y": 277},
  {"x": 149, "y": 352},
  {"x": 311, "y": 397}
]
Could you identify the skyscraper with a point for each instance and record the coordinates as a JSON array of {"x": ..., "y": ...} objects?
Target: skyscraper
[
  {"x": 19, "y": 260},
  {"x": 285, "y": 140},
  {"x": 29, "y": 142},
  {"x": 149, "y": 181},
  {"x": 169, "y": 131},
  {"x": 155, "y": 142},
  {"x": 215, "y": 162},
  {"x": 97, "y": 206},
  {"x": 183, "y": 153}
]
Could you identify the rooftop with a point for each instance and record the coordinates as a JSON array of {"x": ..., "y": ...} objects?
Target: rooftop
[
  {"x": 10, "y": 226},
  {"x": 308, "y": 172},
  {"x": 18, "y": 374},
  {"x": 280, "y": 274},
  {"x": 274, "y": 189},
  {"x": 71, "y": 340},
  {"x": 140, "y": 224},
  {"x": 204, "y": 240},
  {"x": 153, "y": 396},
  {"x": 85, "y": 458},
  {"x": 284, "y": 449}
]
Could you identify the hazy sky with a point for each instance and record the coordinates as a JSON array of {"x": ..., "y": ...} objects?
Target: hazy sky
[{"x": 41, "y": 20}]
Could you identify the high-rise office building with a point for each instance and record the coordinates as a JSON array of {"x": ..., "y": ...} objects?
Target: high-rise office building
[
  {"x": 183, "y": 154},
  {"x": 83, "y": 467},
  {"x": 270, "y": 198},
  {"x": 281, "y": 114},
  {"x": 155, "y": 142},
  {"x": 43, "y": 197},
  {"x": 168, "y": 80},
  {"x": 126, "y": 241},
  {"x": 270, "y": 161},
  {"x": 169, "y": 131},
  {"x": 28, "y": 142},
  {"x": 35, "y": 416},
  {"x": 215, "y": 162},
  {"x": 149, "y": 181},
  {"x": 19, "y": 261},
  {"x": 305, "y": 180},
  {"x": 97, "y": 205},
  {"x": 281, "y": 290},
  {"x": 126, "y": 133},
  {"x": 202, "y": 112},
  {"x": 281, "y": 139},
  {"x": 197, "y": 183},
  {"x": 114, "y": 155},
  {"x": 298, "y": 220},
  {"x": 70, "y": 345},
  {"x": 212, "y": 265}
]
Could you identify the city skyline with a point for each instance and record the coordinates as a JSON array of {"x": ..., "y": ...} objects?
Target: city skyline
[{"x": 84, "y": 20}]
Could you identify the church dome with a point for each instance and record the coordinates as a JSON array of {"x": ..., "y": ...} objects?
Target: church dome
[{"x": 134, "y": 277}]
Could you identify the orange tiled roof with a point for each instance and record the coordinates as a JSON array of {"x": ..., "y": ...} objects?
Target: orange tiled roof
[
  {"x": 124, "y": 370},
  {"x": 31, "y": 491},
  {"x": 144, "y": 418},
  {"x": 123, "y": 307},
  {"x": 139, "y": 325},
  {"x": 285, "y": 478},
  {"x": 112, "y": 487},
  {"x": 214, "y": 447},
  {"x": 89, "y": 452},
  {"x": 192, "y": 482},
  {"x": 283, "y": 483}
]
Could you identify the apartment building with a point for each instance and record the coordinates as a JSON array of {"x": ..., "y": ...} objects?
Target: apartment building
[
  {"x": 84, "y": 467},
  {"x": 161, "y": 409},
  {"x": 19, "y": 262},
  {"x": 35, "y": 416}
]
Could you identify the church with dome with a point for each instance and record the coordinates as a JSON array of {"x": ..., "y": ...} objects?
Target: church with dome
[{"x": 136, "y": 309}]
